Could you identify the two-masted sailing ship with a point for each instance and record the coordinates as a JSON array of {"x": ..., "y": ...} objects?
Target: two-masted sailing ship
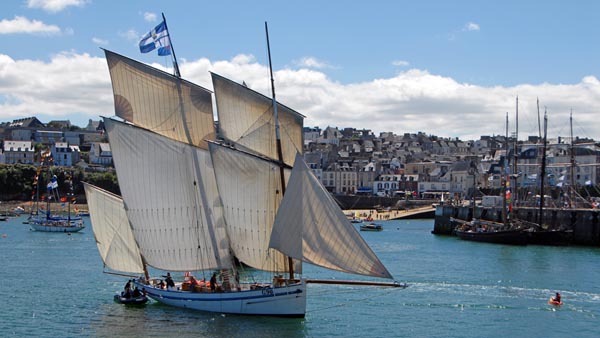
[{"x": 227, "y": 203}]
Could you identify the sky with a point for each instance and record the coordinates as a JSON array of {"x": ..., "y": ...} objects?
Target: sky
[{"x": 444, "y": 68}]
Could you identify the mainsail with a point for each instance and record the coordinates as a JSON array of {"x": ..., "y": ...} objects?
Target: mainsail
[
  {"x": 250, "y": 189},
  {"x": 161, "y": 102},
  {"x": 311, "y": 227},
  {"x": 246, "y": 118},
  {"x": 112, "y": 231},
  {"x": 171, "y": 199}
]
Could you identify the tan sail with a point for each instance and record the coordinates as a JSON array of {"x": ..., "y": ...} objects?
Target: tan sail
[
  {"x": 250, "y": 190},
  {"x": 112, "y": 231},
  {"x": 311, "y": 227},
  {"x": 246, "y": 118},
  {"x": 171, "y": 199},
  {"x": 158, "y": 101}
]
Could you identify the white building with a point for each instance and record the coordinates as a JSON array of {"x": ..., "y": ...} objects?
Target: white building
[
  {"x": 100, "y": 153},
  {"x": 18, "y": 152},
  {"x": 65, "y": 154}
]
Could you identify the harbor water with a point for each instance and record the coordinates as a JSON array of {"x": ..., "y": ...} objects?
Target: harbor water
[{"x": 52, "y": 285}]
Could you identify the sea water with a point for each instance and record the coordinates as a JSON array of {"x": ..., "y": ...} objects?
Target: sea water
[{"x": 52, "y": 285}]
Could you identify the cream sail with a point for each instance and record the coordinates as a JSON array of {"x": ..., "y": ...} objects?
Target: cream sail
[
  {"x": 158, "y": 101},
  {"x": 171, "y": 196},
  {"x": 112, "y": 231},
  {"x": 246, "y": 118},
  {"x": 198, "y": 204},
  {"x": 250, "y": 191},
  {"x": 311, "y": 227}
]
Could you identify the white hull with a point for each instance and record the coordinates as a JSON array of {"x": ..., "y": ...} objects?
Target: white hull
[
  {"x": 284, "y": 301},
  {"x": 56, "y": 226}
]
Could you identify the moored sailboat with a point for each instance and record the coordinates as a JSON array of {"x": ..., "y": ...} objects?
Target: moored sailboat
[
  {"x": 43, "y": 220},
  {"x": 202, "y": 203},
  {"x": 509, "y": 231}
]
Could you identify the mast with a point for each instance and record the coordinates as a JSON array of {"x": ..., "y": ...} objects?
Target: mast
[
  {"x": 175, "y": 65},
  {"x": 515, "y": 173},
  {"x": 278, "y": 138},
  {"x": 543, "y": 169},
  {"x": 539, "y": 124},
  {"x": 504, "y": 176},
  {"x": 572, "y": 168}
]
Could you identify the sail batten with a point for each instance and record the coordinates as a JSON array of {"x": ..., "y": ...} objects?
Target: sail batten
[
  {"x": 112, "y": 231},
  {"x": 311, "y": 227}
]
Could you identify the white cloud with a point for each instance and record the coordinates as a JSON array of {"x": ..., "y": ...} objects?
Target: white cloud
[
  {"x": 54, "y": 6},
  {"x": 77, "y": 87},
  {"x": 400, "y": 63},
  {"x": 312, "y": 62},
  {"x": 99, "y": 41},
  {"x": 25, "y": 26},
  {"x": 130, "y": 35},
  {"x": 471, "y": 26},
  {"x": 150, "y": 17}
]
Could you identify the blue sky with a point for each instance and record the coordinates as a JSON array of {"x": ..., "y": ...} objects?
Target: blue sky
[{"x": 449, "y": 68}]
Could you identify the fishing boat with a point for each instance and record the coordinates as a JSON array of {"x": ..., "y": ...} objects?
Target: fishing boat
[
  {"x": 44, "y": 220},
  {"x": 489, "y": 232},
  {"x": 371, "y": 227},
  {"x": 240, "y": 205}
]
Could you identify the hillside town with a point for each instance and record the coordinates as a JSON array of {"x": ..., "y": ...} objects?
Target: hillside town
[{"x": 352, "y": 161}]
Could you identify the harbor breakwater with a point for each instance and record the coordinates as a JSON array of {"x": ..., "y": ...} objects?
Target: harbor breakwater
[{"x": 585, "y": 223}]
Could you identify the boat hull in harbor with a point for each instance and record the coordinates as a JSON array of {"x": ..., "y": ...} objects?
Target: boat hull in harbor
[
  {"x": 513, "y": 237},
  {"x": 285, "y": 301}
]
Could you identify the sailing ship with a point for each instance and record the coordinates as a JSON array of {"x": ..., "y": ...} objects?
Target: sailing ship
[
  {"x": 509, "y": 231},
  {"x": 230, "y": 203},
  {"x": 44, "y": 220},
  {"x": 538, "y": 232}
]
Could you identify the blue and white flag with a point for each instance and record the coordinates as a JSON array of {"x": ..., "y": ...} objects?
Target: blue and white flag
[
  {"x": 157, "y": 38},
  {"x": 53, "y": 184}
]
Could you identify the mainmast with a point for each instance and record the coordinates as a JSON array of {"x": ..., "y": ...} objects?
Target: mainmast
[
  {"x": 543, "y": 169},
  {"x": 278, "y": 138},
  {"x": 504, "y": 174},
  {"x": 539, "y": 124},
  {"x": 572, "y": 168},
  {"x": 515, "y": 171}
]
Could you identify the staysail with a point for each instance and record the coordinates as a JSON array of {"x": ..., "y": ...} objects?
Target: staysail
[
  {"x": 161, "y": 102},
  {"x": 171, "y": 199},
  {"x": 311, "y": 227},
  {"x": 112, "y": 231},
  {"x": 250, "y": 189},
  {"x": 246, "y": 118}
]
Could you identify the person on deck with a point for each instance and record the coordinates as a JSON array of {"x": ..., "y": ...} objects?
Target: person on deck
[
  {"x": 213, "y": 282},
  {"x": 169, "y": 281}
]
